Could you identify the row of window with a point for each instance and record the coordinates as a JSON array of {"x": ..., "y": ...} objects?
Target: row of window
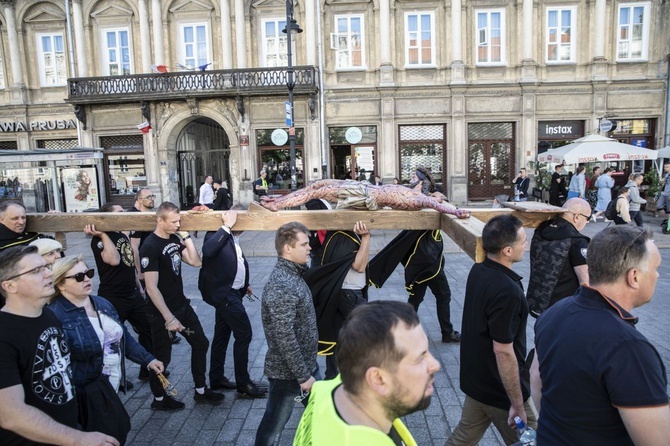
[{"x": 194, "y": 46}]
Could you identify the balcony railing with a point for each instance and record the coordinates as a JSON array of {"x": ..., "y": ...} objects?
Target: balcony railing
[{"x": 218, "y": 83}]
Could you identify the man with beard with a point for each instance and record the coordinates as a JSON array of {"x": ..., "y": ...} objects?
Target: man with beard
[
  {"x": 386, "y": 372},
  {"x": 493, "y": 344}
]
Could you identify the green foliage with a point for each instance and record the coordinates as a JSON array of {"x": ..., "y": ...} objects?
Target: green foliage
[
  {"x": 653, "y": 180},
  {"x": 542, "y": 174}
]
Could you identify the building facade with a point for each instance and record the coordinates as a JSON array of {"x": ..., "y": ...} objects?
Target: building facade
[{"x": 472, "y": 89}]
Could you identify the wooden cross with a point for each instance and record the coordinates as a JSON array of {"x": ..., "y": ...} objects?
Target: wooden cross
[{"x": 466, "y": 233}]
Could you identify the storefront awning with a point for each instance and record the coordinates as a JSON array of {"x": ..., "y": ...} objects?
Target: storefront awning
[{"x": 68, "y": 156}]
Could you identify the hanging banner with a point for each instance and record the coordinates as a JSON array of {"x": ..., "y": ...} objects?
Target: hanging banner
[{"x": 80, "y": 189}]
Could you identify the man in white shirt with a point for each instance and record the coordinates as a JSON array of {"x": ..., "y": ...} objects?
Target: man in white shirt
[{"x": 206, "y": 197}]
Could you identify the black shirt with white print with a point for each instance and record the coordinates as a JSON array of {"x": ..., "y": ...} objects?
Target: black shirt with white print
[
  {"x": 164, "y": 256},
  {"x": 115, "y": 281}
]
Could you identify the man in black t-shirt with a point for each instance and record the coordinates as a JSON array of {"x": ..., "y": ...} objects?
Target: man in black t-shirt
[
  {"x": 168, "y": 308},
  {"x": 493, "y": 343},
  {"x": 558, "y": 189},
  {"x": 118, "y": 279},
  {"x": 36, "y": 391},
  {"x": 558, "y": 257}
]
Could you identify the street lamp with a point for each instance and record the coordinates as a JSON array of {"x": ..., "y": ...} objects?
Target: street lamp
[{"x": 291, "y": 27}]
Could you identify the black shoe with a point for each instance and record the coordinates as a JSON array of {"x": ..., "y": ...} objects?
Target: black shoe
[
  {"x": 453, "y": 337},
  {"x": 225, "y": 383},
  {"x": 168, "y": 403},
  {"x": 176, "y": 339},
  {"x": 251, "y": 390},
  {"x": 208, "y": 397}
]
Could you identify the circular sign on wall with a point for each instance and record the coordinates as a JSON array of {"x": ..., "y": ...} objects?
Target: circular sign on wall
[
  {"x": 279, "y": 137},
  {"x": 353, "y": 135},
  {"x": 607, "y": 126}
]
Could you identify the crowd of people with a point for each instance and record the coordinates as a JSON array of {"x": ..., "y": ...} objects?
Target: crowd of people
[{"x": 63, "y": 346}]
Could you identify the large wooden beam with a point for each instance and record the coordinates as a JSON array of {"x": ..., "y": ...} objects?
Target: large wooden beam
[
  {"x": 466, "y": 233},
  {"x": 256, "y": 218}
]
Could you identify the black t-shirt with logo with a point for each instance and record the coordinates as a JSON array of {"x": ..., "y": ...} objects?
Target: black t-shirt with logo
[
  {"x": 35, "y": 355},
  {"x": 115, "y": 281},
  {"x": 164, "y": 256}
]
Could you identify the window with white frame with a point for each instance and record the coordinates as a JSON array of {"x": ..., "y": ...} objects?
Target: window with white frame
[
  {"x": 561, "y": 39},
  {"x": 348, "y": 41},
  {"x": 633, "y": 31},
  {"x": 419, "y": 39},
  {"x": 274, "y": 51},
  {"x": 2, "y": 68},
  {"x": 116, "y": 57},
  {"x": 51, "y": 59},
  {"x": 194, "y": 45},
  {"x": 490, "y": 36}
]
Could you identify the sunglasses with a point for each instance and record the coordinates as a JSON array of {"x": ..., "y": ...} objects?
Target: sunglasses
[{"x": 79, "y": 277}]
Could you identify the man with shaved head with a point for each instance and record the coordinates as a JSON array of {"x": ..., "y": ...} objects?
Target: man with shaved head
[{"x": 558, "y": 257}]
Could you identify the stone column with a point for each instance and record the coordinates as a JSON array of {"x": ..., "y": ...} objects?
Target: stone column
[
  {"x": 599, "y": 31},
  {"x": 13, "y": 41},
  {"x": 145, "y": 39},
  {"x": 528, "y": 65},
  {"x": 599, "y": 70},
  {"x": 457, "y": 65},
  {"x": 79, "y": 40},
  {"x": 240, "y": 34},
  {"x": 311, "y": 36},
  {"x": 226, "y": 35},
  {"x": 157, "y": 26},
  {"x": 386, "y": 63}
]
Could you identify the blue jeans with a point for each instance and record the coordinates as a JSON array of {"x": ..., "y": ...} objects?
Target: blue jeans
[{"x": 279, "y": 408}]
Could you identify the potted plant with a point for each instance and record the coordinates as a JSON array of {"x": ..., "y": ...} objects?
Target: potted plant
[
  {"x": 542, "y": 181},
  {"x": 654, "y": 188}
]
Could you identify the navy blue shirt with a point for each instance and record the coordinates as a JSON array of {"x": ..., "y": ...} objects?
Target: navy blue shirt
[{"x": 592, "y": 361}]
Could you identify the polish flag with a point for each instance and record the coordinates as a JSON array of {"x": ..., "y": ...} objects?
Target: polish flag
[{"x": 144, "y": 127}]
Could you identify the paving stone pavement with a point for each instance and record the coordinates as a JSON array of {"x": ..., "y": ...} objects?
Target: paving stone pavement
[{"x": 236, "y": 420}]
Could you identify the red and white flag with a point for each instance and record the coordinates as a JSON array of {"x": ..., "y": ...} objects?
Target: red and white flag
[
  {"x": 160, "y": 68},
  {"x": 144, "y": 127}
]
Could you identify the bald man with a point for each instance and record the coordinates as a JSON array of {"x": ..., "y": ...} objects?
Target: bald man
[{"x": 558, "y": 257}]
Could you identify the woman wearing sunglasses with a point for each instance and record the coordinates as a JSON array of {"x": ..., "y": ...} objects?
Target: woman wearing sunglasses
[{"x": 99, "y": 342}]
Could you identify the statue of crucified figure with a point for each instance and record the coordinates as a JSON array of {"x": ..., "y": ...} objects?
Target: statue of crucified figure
[{"x": 363, "y": 195}]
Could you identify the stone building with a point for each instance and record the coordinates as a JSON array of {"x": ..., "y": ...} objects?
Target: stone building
[{"x": 472, "y": 89}]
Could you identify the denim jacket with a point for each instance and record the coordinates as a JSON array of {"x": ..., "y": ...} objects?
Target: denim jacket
[{"x": 85, "y": 349}]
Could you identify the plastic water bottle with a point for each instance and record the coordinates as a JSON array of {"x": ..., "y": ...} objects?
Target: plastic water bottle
[{"x": 527, "y": 435}]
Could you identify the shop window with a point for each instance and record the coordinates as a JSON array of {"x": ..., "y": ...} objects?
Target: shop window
[
  {"x": 490, "y": 38},
  {"x": 51, "y": 59},
  {"x": 194, "y": 45},
  {"x": 57, "y": 144},
  {"x": 274, "y": 51},
  {"x": 124, "y": 164},
  {"x": 348, "y": 41},
  {"x": 116, "y": 53},
  {"x": 419, "y": 39},
  {"x": 632, "y": 127},
  {"x": 561, "y": 39},
  {"x": 633, "y": 31},
  {"x": 422, "y": 145},
  {"x": 276, "y": 160}
]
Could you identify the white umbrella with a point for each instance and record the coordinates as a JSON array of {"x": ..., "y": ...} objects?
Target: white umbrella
[
  {"x": 595, "y": 148},
  {"x": 664, "y": 152}
]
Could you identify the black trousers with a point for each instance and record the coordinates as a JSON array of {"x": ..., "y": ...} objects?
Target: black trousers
[
  {"x": 440, "y": 288},
  {"x": 134, "y": 310},
  {"x": 193, "y": 334},
  {"x": 231, "y": 317},
  {"x": 349, "y": 299}
]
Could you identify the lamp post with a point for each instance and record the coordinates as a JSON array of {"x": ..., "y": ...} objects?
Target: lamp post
[{"x": 291, "y": 27}]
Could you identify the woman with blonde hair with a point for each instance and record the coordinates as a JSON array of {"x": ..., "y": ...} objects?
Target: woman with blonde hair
[{"x": 99, "y": 342}]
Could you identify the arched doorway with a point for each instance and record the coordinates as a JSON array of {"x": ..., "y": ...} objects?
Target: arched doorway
[{"x": 203, "y": 149}]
